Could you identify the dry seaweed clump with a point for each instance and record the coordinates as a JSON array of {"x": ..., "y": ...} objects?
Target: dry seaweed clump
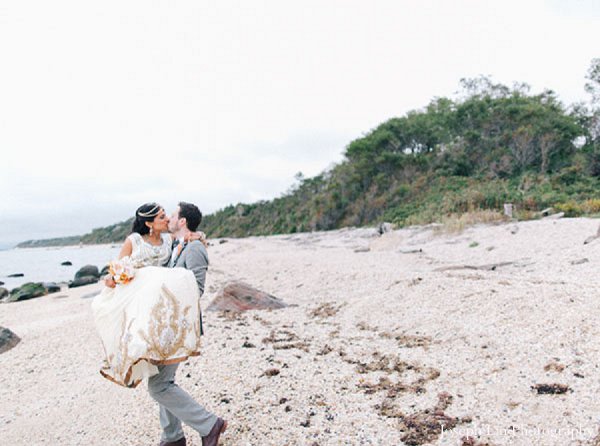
[
  {"x": 554, "y": 367},
  {"x": 271, "y": 372},
  {"x": 285, "y": 340},
  {"x": 394, "y": 388},
  {"x": 551, "y": 389},
  {"x": 387, "y": 385},
  {"x": 426, "y": 426},
  {"x": 325, "y": 310},
  {"x": 362, "y": 325},
  {"x": 231, "y": 316},
  {"x": 408, "y": 341},
  {"x": 470, "y": 441},
  {"x": 391, "y": 363}
]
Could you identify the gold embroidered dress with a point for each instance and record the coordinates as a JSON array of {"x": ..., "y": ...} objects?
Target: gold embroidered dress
[{"x": 154, "y": 319}]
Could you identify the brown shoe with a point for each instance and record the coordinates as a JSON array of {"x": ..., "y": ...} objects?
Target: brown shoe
[
  {"x": 212, "y": 439},
  {"x": 180, "y": 442}
]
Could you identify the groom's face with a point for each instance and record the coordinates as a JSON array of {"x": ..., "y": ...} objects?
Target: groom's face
[{"x": 175, "y": 223}]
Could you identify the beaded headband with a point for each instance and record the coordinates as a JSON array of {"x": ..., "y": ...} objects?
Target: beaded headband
[{"x": 152, "y": 212}]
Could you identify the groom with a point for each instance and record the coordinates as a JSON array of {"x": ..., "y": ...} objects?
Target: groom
[{"x": 176, "y": 405}]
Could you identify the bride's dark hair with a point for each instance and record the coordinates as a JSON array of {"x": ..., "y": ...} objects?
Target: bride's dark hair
[{"x": 145, "y": 213}]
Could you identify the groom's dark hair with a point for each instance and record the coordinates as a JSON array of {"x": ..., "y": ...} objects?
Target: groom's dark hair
[{"x": 191, "y": 213}]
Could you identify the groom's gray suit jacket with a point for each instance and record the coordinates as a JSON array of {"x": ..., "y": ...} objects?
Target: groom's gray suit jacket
[{"x": 195, "y": 258}]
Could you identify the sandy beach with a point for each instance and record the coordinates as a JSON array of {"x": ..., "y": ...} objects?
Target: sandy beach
[{"x": 382, "y": 333}]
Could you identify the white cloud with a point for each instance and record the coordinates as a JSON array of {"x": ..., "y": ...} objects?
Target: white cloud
[{"x": 109, "y": 104}]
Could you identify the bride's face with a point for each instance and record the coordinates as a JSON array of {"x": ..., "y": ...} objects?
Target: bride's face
[{"x": 161, "y": 222}]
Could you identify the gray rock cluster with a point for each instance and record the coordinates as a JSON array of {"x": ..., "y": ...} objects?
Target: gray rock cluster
[
  {"x": 24, "y": 292},
  {"x": 85, "y": 276}
]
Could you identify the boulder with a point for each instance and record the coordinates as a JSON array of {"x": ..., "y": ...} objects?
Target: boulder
[
  {"x": 1, "y": 283},
  {"x": 51, "y": 287},
  {"x": 16, "y": 275},
  {"x": 67, "y": 263},
  {"x": 238, "y": 296},
  {"x": 3, "y": 293},
  {"x": 104, "y": 271},
  {"x": 7, "y": 339},
  {"x": 87, "y": 270},
  {"x": 81, "y": 281},
  {"x": 26, "y": 291}
]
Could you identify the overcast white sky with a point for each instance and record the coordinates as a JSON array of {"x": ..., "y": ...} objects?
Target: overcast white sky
[{"x": 106, "y": 105}]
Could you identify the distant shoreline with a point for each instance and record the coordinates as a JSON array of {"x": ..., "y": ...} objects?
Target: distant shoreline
[{"x": 79, "y": 245}]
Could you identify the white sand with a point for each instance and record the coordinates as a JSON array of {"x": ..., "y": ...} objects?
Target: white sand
[{"x": 490, "y": 335}]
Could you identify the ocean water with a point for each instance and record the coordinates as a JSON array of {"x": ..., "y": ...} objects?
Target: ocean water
[{"x": 44, "y": 264}]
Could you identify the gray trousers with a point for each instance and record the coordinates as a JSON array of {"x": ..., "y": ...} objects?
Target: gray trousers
[{"x": 175, "y": 405}]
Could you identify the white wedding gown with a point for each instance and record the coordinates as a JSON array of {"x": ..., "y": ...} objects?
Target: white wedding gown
[{"x": 154, "y": 319}]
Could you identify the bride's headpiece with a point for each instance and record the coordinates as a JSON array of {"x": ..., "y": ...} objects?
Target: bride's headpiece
[{"x": 153, "y": 212}]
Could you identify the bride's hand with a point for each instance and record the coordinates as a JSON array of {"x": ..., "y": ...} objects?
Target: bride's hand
[
  {"x": 199, "y": 235},
  {"x": 109, "y": 281}
]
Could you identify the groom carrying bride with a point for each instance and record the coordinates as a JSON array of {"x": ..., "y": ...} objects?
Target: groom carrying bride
[{"x": 175, "y": 405}]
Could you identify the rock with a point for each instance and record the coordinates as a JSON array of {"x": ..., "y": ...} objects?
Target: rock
[
  {"x": 385, "y": 227},
  {"x": 104, "y": 271},
  {"x": 84, "y": 280},
  {"x": 16, "y": 275},
  {"x": 51, "y": 287},
  {"x": 1, "y": 283},
  {"x": 26, "y": 291},
  {"x": 362, "y": 249},
  {"x": 546, "y": 212},
  {"x": 7, "y": 339},
  {"x": 238, "y": 296},
  {"x": 67, "y": 263},
  {"x": 508, "y": 210},
  {"x": 222, "y": 241},
  {"x": 3, "y": 293},
  {"x": 87, "y": 270}
]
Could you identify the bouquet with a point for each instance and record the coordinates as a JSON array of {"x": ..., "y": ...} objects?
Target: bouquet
[{"x": 122, "y": 271}]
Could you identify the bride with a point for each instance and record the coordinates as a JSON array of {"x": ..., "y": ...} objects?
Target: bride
[{"x": 154, "y": 319}]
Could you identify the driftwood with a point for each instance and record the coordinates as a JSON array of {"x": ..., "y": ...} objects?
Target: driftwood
[
  {"x": 489, "y": 267},
  {"x": 410, "y": 251},
  {"x": 554, "y": 216}
]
